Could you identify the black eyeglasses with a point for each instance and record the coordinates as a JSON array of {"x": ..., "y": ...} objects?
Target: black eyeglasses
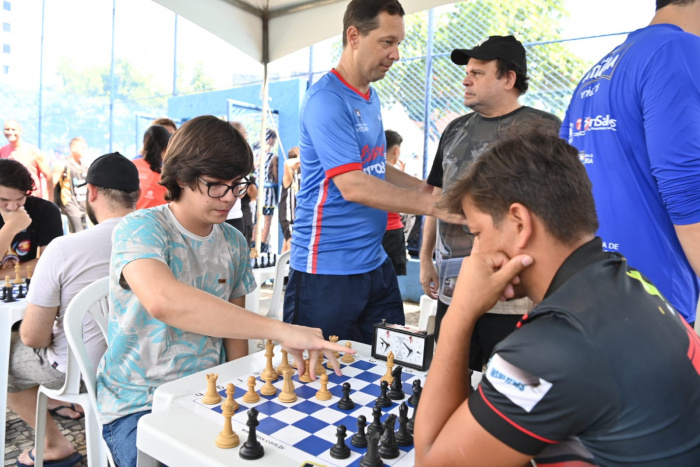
[{"x": 218, "y": 190}]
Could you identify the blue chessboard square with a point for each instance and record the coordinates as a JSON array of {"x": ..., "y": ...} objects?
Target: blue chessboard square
[
  {"x": 372, "y": 389},
  {"x": 310, "y": 424},
  {"x": 269, "y": 408},
  {"x": 270, "y": 425},
  {"x": 333, "y": 378},
  {"x": 363, "y": 365},
  {"x": 406, "y": 376},
  {"x": 305, "y": 392},
  {"x": 338, "y": 391},
  {"x": 314, "y": 445},
  {"x": 308, "y": 407},
  {"x": 350, "y": 423},
  {"x": 369, "y": 377},
  {"x": 218, "y": 409}
]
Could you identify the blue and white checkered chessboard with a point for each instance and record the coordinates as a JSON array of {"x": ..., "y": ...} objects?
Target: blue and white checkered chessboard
[{"x": 305, "y": 430}]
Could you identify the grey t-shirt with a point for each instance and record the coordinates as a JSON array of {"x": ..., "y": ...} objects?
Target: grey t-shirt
[{"x": 462, "y": 142}]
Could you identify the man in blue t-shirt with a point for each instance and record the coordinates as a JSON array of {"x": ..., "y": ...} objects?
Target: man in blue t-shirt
[
  {"x": 634, "y": 118},
  {"x": 341, "y": 279}
]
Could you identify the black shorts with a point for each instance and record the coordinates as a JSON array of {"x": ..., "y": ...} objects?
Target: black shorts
[{"x": 394, "y": 243}]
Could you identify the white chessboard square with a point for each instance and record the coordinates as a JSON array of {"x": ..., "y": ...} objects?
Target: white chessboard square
[
  {"x": 351, "y": 371},
  {"x": 329, "y": 415},
  {"x": 357, "y": 384},
  {"x": 291, "y": 435},
  {"x": 363, "y": 410},
  {"x": 330, "y": 402},
  {"x": 241, "y": 416},
  {"x": 290, "y": 415},
  {"x": 328, "y": 433},
  {"x": 326, "y": 457},
  {"x": 379, "y": 370},
  {"x": 362, "y": 398}
]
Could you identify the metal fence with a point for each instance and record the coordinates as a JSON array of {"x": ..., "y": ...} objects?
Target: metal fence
[{"x": 103, "y": 69}]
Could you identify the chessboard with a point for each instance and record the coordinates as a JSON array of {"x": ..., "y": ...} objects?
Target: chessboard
[
  {"x": 19, "y": 292},
  {"x": 305, "y": 430}
]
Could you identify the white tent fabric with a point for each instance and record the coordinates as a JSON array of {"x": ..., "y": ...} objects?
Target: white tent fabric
[{"x": 291, "y": 25}]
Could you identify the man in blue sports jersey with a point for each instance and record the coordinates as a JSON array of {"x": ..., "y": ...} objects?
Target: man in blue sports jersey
[
  {"x": 341, "y": 279},
  {"x": 634, "y": 118}
]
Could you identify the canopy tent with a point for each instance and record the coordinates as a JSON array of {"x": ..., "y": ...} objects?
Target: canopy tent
[{"x": 267, "y": 30}]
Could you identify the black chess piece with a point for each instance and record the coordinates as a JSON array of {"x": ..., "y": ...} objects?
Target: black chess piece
[
  {"x": 396, "y": 393},
  {"x": 403, "y": 436},
  {"x": 417, "y": 388},
  {"x": 274, "y": 259},
  {"x": 340, "y": 450},
  {"x": 268, "y": 259},
  {"x": 345, "y": 403},
  {"x": 371, "y": 458},
  {"x": 2, "y": 296},
  {"x": 376, "y": 425},
  {"x": 20, "y": 291},
  {"x": 8, "y": 294},
  {"x": 255, "y": 264},
  {"x": 252, "y": 449},
  {"x": 263, "y": 263},
  {"x": 359, "y": 439},
  {"x": 27, "y": 281},
  {"x": 384, "y": 400},
  {"x": 388, "y": 449},
  {"x": 412, "y": 421}
]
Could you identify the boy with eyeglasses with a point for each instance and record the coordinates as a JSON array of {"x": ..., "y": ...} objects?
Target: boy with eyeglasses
[{"x": 179, "y": 276}]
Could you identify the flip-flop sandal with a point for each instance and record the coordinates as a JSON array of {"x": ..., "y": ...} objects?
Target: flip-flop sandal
[
  {"x": 70, "y": 461},
  {"x": 55, "y": 412}
]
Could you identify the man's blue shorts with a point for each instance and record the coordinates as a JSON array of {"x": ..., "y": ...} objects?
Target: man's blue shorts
[{"x": 346, "y": 306}]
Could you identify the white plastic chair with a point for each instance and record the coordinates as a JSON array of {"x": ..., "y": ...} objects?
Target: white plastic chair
[
  {"x": 428, "y": 309},
  {"x": 92, "y": 299},
  {"x": 281, "y": 271}
]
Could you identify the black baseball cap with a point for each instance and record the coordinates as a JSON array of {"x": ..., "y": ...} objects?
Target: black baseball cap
[
  {"x": 113, "y": 171},
  {"x": 506, "y": 48}
]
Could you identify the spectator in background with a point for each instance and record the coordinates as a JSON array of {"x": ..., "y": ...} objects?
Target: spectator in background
[
  {"x": 271, "y": 186},
  {"x": 155, "y": 141},
  {"x": 288, "y": 195},
  {"x": 394, "y": 240},
  {"x": 27, "y": 222},
  {"x": 167, "y": 123},
  {"x": 241, "y": 210},
  {"x": 30, "y": 156},
  {"x": 70, "y": 190}
]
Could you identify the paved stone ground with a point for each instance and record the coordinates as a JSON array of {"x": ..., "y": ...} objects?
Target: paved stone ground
[{"x": 18, "y": 435}]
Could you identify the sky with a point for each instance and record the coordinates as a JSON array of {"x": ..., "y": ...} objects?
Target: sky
[{"x": 81, "y": 31}]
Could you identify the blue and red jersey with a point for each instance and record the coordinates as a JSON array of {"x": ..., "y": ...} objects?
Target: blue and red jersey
[{"x": 341, "y": 131}]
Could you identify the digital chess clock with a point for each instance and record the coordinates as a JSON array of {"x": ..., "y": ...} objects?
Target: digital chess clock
[{"x": 411, "y": 347}]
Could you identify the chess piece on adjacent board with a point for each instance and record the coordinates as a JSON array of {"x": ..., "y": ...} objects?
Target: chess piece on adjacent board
[
  {"x": 252, "y": 449},
  {"x": 396, "y": 392},
  {"x": 306, "y": 377},
  {"x": 284, "y": 365},
  {"x": 324, "y": 394},
  {"x": 269, "y": 371},
  {"x": 345, "y": 403},
  {"x": 7, "y": 291},
  {"x": 388, "y": 449},
  {"x": 288, "y": 395},
  {"x": 347, "y": 357},
  {"x": 389, "y": 366},
  {"x": 211, "y": 396},
  {"x": 359, "y": 439},
  {"x": 18, "y": 275},
  {"x": 320, "y": 369},
  {"x": 371, "y": 457},
  {"x": 403, "y": 436},
  {"x": 340, "y": 450},
  {"x": 228, "y": 439},
  {"x": 251, "y": 396},
  {"x": 413, "y": 400},
  {"x": 383, "y": 400}
]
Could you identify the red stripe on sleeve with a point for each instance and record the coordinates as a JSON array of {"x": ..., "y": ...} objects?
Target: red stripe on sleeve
[
  {"x": 341, "y": 169},
  {"x": 319, "y": 218}
]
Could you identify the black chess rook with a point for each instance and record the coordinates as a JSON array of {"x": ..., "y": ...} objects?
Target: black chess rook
[{"x": 371, "y": 457}]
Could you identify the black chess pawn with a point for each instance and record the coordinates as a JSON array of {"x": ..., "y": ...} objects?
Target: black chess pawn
[
  {"x": 383, "y": 400},
  {"x": 402, "y": 435},
  {"x": 371, "y": 458},
  {"x": 388, "y": 449},
  {"x": 417, "y": 388},
  {"x": 345, "y": 403},
  {"x": 255, "y": 264},
  {"x": 412, "y": 421},
  {"x": 252, "y": 449},
  {"x": 7, "y": 291},
  {"x": 340, "y": 450},
  {"x": 376, "y": 425},
  {"x": 396, "y": 392},
  {"x": 359, "y": 439}
]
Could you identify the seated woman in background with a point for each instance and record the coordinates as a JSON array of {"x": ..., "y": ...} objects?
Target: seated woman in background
[{"x": 155, "y": 140}]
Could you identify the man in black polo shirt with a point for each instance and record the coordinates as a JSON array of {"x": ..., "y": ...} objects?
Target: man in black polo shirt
[
  {"x": 26, "y": 222},
  {"x": 603, "y": 371}
]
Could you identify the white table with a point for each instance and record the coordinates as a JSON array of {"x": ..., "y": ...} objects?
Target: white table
[
  {"x": 178, "y": 437},
  {"x": 10, "y": 313}
]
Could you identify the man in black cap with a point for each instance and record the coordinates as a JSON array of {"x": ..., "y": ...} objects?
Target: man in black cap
[
  {"x": 496, "y": 76},
  {"x": 38, "y": 352}
]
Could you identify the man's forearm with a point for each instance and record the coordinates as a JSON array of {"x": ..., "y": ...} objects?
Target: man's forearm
[{"x": 401, "y": 179}]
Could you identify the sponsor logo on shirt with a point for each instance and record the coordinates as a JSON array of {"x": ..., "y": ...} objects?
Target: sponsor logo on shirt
[
  {"x": 589, "y": 91},
  {"x": 599, "y": 123},
  {"x": 375, "y": 169},
  {"x": 605, "y": 68},
  {"x": 520, "y": 387},
  {"x": 585, "y": 158},
  {"x": 360, "y": 125}
]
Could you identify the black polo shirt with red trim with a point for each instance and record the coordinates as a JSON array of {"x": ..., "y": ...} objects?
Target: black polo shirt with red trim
[{"x": 604, "y": 370}]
